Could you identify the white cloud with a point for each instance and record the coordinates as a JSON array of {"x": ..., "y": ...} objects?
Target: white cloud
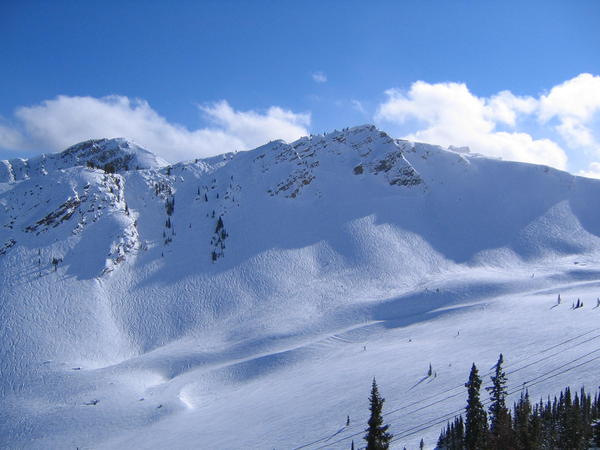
[
  {"x": 56, "y": 124},
  {"x": 593, "y": 171},
  {"x": 449, "y": 114},
  {"x": 505, "y": 106},
  {"x": 254, "y": 128},
  {"x": 578, "y": 97},
  {"x": 358, "y": 106},
  {"x": 574, "y": 103},
  {"x": 319, "y": 77}
]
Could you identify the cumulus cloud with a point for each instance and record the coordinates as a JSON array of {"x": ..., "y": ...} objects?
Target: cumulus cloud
[
  {"x": 593, "y": 171},
  {"x": 319, "y": 77},
  {"x": 505, "y": 106},
  {"x": 58, "y": 123},
  {"x": 255, "y": 128},
  {"x": 449, "y": 114},
  {"x": 574, "y": 104}
]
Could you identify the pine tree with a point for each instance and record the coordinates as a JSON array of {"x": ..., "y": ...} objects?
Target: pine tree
[
  {"x": 444, "y": 438},
  {"x": 377, "y": 436},
  {"x": 458, "y": 442},
  {"x": 500, "y": 422},
  {"x": 524, "y": 423},
  {"x": 597, "y": 434},
  {"x": 453, "y": 437},
  {"x": 476, "y": 421},
  {"x": 219, "y": 225},
  {"x": 567, "y": 422}
]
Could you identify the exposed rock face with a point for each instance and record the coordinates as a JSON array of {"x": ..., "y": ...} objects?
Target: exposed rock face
[{"x": 373, "y": 150}]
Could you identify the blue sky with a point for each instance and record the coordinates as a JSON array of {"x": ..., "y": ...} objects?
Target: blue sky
[{"x": 194, "y": 78}]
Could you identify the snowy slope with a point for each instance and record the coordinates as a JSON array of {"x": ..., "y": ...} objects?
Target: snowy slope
[{"x": 244, "y": 288}]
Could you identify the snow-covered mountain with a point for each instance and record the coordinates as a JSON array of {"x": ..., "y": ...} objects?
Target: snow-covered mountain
[
  {"x": 247, "y": 300},
  {"x": 115, "y": 154}
]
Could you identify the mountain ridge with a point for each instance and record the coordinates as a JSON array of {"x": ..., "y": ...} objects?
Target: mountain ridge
[{"x": 116, "y": 154}]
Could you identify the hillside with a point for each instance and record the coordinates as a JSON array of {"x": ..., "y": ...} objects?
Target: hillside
[{"x": 247, "y": 300}]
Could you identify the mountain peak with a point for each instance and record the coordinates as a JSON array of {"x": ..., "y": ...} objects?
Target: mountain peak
[{"x": 118, "y": 154}]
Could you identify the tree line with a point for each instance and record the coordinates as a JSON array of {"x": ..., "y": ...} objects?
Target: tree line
[{"x": 569, "y": 421}]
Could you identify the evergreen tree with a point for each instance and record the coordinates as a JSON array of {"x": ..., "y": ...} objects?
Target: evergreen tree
[
  {"x": 567, "y": 422},
  {"x": 56, "y": 262},
  {"x": 458, "y": 442},
  {"x": 535, "y": 431},
  {"x": 377, "y": 436},
  {"x": 476, "y": 427},
  {"x": 570, "y": 423},
  {"x": 500, "y": 421},
  {"x": 444, "y": 438},
  {"x": 597, "y": 434},
  {"x": 453, "y": 437},
  {"x": 524, "y": 424},
  {"x": 219, "y": 225}
]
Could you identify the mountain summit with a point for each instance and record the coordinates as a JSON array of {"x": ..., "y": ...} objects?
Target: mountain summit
[{"x": 116, "y": 154}]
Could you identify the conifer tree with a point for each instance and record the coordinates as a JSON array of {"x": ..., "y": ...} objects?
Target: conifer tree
[
  {"x": 458, "y": 441},
  {"x": 597, "y": 434},
  {"x": 523, "y": 423},
  {"x": 567, "y": 422},
  {"x": 476, "y": 421},
  {"x": 500, "y": 421},
  {"x": 377, "y": 436},
  {"x": 219, "y": 225}
]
